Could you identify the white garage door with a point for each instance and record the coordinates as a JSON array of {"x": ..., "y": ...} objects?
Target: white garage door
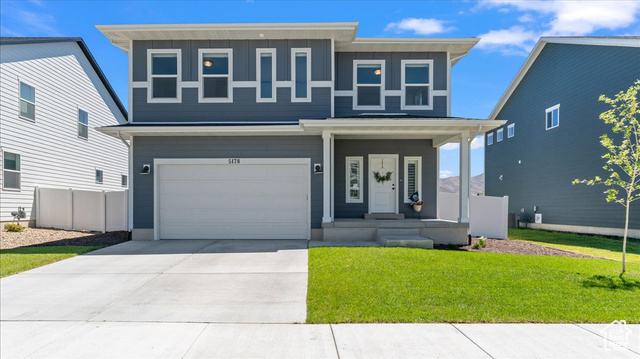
[{"x": 250, "y": 200}]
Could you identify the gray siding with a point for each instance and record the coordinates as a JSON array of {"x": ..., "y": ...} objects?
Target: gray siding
[
  {"x": 344, "y": 107},
  {"x": 145, "y": 149},
  {"x": 573, "y": 76},
  {"x": 346, "y": 148}
]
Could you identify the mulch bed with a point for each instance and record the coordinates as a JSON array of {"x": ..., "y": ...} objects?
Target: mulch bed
[
  {"x": 38, "y": 237},
  {"x": 520, "y": 247}
]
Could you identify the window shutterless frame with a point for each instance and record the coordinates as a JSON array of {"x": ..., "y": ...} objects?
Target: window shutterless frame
[
  {"x": 83, "y": 124},
  {"x": 353, "y": 183},
  {"x": 265, "y": 77},
  {"x": 177, "y": 76},
  {"x": 11, "y": 171},
  {"x": 99, "y": 176},
  {"x": 27, "y": 101},
  {"x": 413, "y": 84},
  {"x": 489, "y": 138},
  {"x": 381, "y": 85},
  {"x": 511, "y": 130},
  {"x": 552, "y": 117},
  {"x": 415, "y": 161},
  {"x": 202, "y": 76},
  {"x": 299, "y": 76},
  {"x": 499, "y": 135},
  {"x": 124, "y": 180}
]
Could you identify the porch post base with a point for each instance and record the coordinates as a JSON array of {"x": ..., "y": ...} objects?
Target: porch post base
[
  {"x": 327, "y": 219},
  {"x": 463, "y": 220}
]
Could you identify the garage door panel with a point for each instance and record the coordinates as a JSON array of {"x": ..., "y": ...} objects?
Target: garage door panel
[{"x": 214, "y": 201}]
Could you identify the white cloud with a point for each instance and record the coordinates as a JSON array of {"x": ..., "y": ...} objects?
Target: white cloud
[
  {"x": 477, "y": 143},
  {"x": 511, "y": 41},
  {"x": 419, "y": 26},
  {"x": 526, "y": 18},
  {"x": 38, "y": 22},
  {"x": 446, "y": 174}
]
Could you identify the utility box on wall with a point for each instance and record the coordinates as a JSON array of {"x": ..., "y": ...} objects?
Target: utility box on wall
[{"x": 538, "y": 217}]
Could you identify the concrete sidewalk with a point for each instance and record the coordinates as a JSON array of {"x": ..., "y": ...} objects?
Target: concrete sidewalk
[{"x": 69, "y": 339}]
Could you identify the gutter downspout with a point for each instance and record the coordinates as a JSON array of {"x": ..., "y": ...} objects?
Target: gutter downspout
[{"x": 122, "y": 139}]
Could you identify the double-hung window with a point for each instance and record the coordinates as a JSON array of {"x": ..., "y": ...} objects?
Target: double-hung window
[
  {"x": 416, "y": 84},
  {"x": 124, "y": 180},
  {"x": 83, "y": 124},
  {"x": 412, "y": 177},
  {"x": 99, "y": 176},
  {"x": 368, "y": 84},
  {"x": 266, "y": 75},
  {"x": 552, "y": 116},
  {"x": 511, "y": 130},
  {"x": 499, "y": 135},
  {"x": 301, "y": 75},
  {"x": 354, "y": 179},
  {"x": 27, "y": 101},
  {"x": 490, "y": 139},
  {"x": 164, "y": 74},
  {"x": 11, "y": 171},
  {"x": 215, "y": 71}
]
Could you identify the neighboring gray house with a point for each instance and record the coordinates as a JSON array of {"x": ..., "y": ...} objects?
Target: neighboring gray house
[
  {"x": 278, "y": 130},
  {"x": 551, "y": 135},
  {"x": 52, "y": 97}
]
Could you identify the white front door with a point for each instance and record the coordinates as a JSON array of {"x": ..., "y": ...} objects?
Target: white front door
[{"x": 383, "y": 197}]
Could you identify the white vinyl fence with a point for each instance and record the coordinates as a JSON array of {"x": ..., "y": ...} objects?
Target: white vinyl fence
[
  {"x": 82, "y": 210},
  {"x": 488, "y": 216}
]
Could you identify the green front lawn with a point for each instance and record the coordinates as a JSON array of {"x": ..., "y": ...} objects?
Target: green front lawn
[
  {"x": 17, "y": 260},
  {"x": 596, "y": 246},
  {"x": 366, "y": 285}
]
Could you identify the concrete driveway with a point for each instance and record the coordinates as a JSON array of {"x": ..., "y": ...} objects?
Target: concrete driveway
[{"x": 234, "y": 281}]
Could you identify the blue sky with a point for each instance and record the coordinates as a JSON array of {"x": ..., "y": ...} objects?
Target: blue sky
[{"x": 508, "y": 29}]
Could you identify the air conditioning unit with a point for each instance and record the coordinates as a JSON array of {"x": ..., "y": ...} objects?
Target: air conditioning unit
[{"x": 538, "y": 217}]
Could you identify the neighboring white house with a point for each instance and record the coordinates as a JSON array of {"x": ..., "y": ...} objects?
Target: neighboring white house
[{"x": 52, "y": 97}]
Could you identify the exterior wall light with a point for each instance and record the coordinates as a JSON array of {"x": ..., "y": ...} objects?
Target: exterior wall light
[{"x": 146, "y": 169}]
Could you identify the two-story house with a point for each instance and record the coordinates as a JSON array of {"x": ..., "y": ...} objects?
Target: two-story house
[
  {"x": 289, "y": 130},
  {"x": 552, "y": 134},
  {"x": 53, "y": 96}
]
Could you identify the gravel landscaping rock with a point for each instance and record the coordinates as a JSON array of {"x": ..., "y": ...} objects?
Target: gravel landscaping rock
[
  {"x": 519, "y": 247},
  {"x": 32, "y": 237}
]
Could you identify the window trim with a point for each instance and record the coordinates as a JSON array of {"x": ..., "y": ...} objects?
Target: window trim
[
  {"x": 229, "y": 76},
  {"x": 500, "y": 135},
  {"x": 82, "y": 124},
  {"x": 551, "y": 109},
  {"x": 35, "y": 107},
  {"x": 259, "y": 52},
  {"x": 509, "y": 130},
  {"x": 11, "y": 189},
  {"x": 418, "y": 176},
  {"x": 403, "y": 85},
  {"x": 126, "y": 180},
  {"x": 348, "y": 198},
  {"x": 294, "y": 51},
  {"x": 381, "y": 85},
  {"x": 178, "y": 76},
  {"x": 489, "y": 138},
  {"x": 101, "y": 177}
]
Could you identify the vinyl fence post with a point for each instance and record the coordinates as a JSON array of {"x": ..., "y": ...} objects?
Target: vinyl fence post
[
  {"x": 37, "y": 207},
  {"x": 71, "y": 209},
  {"x": 104, "y": 212},
  {"x": 505, "y": 217}
]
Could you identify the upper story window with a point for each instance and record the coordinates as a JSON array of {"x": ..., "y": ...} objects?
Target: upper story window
[
  {"x": 266, "y": 75},
  {"x": 164, "y": 74},
  {"x": 511, "y": 130},
  {"x": 368, "y": 84},
  {"x": 413, "y": 177},
  {"x": 354, "y": 179},
  {"x": 416, "y": 84},
  {"x": 215, "y": 71},
  {"x": 83, "y": 124},
  {"x": 499, "y": 135},
  {"x": 490, "y": 139},
  {"x": 300, "y": 75},
  {"x": 552, "y": 115},
  {"x": 11, "y": 171},
  {"x": 27, "y": 101}
]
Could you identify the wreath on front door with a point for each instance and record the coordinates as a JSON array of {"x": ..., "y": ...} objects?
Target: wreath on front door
[{"x": 379, "y": 177}]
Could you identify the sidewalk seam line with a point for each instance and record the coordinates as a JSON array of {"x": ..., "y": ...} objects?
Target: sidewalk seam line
[
  {"x": 335, "y": 343},
  {"x": 194, "y": 340},
  {"x": 597, "y": 334},
  {"x": 471, "y": 340}
]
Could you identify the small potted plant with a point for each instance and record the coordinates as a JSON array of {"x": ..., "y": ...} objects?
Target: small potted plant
[{"x": 417, "y": 205}]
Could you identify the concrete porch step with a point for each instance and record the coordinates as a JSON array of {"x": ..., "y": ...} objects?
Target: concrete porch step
[
  {"x": 383, "y": 216},
  {"x": 403, "y": 238}
]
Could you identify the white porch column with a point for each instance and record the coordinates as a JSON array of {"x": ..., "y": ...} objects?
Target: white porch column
[
  {"x": 326, "y": 176},
  {"x": 465, "y": 173}
]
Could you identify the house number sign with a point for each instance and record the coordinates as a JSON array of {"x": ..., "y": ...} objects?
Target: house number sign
[{"x": 234, "y": 161}]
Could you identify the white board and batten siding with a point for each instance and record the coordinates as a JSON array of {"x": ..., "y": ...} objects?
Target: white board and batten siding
[
  {"x": 52, "y": 154},
  {"x": 488, "y": 215}
]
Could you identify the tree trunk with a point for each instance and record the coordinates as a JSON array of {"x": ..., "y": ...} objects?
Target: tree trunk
[{"x": 624, "y": 239}]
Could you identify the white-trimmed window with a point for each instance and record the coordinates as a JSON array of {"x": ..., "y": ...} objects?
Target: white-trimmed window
[
  {"x": 354, "y": 179},
  {"x": 412, "y": 177},
  {"x": 215, "y": 71},
  {"x": 83, "y": 124},
  {"x": 552, "y": 117},
  {"x": 27, "y": 101},
  {"x": 500, "y": 135},
  {"x": 11, "y": 173},
  {"x": 266, "y": 75},
  {"x": 99, "y": 176},
  {"x": 511, "y": 130},
  {"x": 368, "y": 84},
  {"x": 301, "y": 75},
  {"x": 489, "y": 138},
  {"x": 416, "y": 85},
  {"x": 165, "y": 74},
  {"x": 124, "y": 180}
]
